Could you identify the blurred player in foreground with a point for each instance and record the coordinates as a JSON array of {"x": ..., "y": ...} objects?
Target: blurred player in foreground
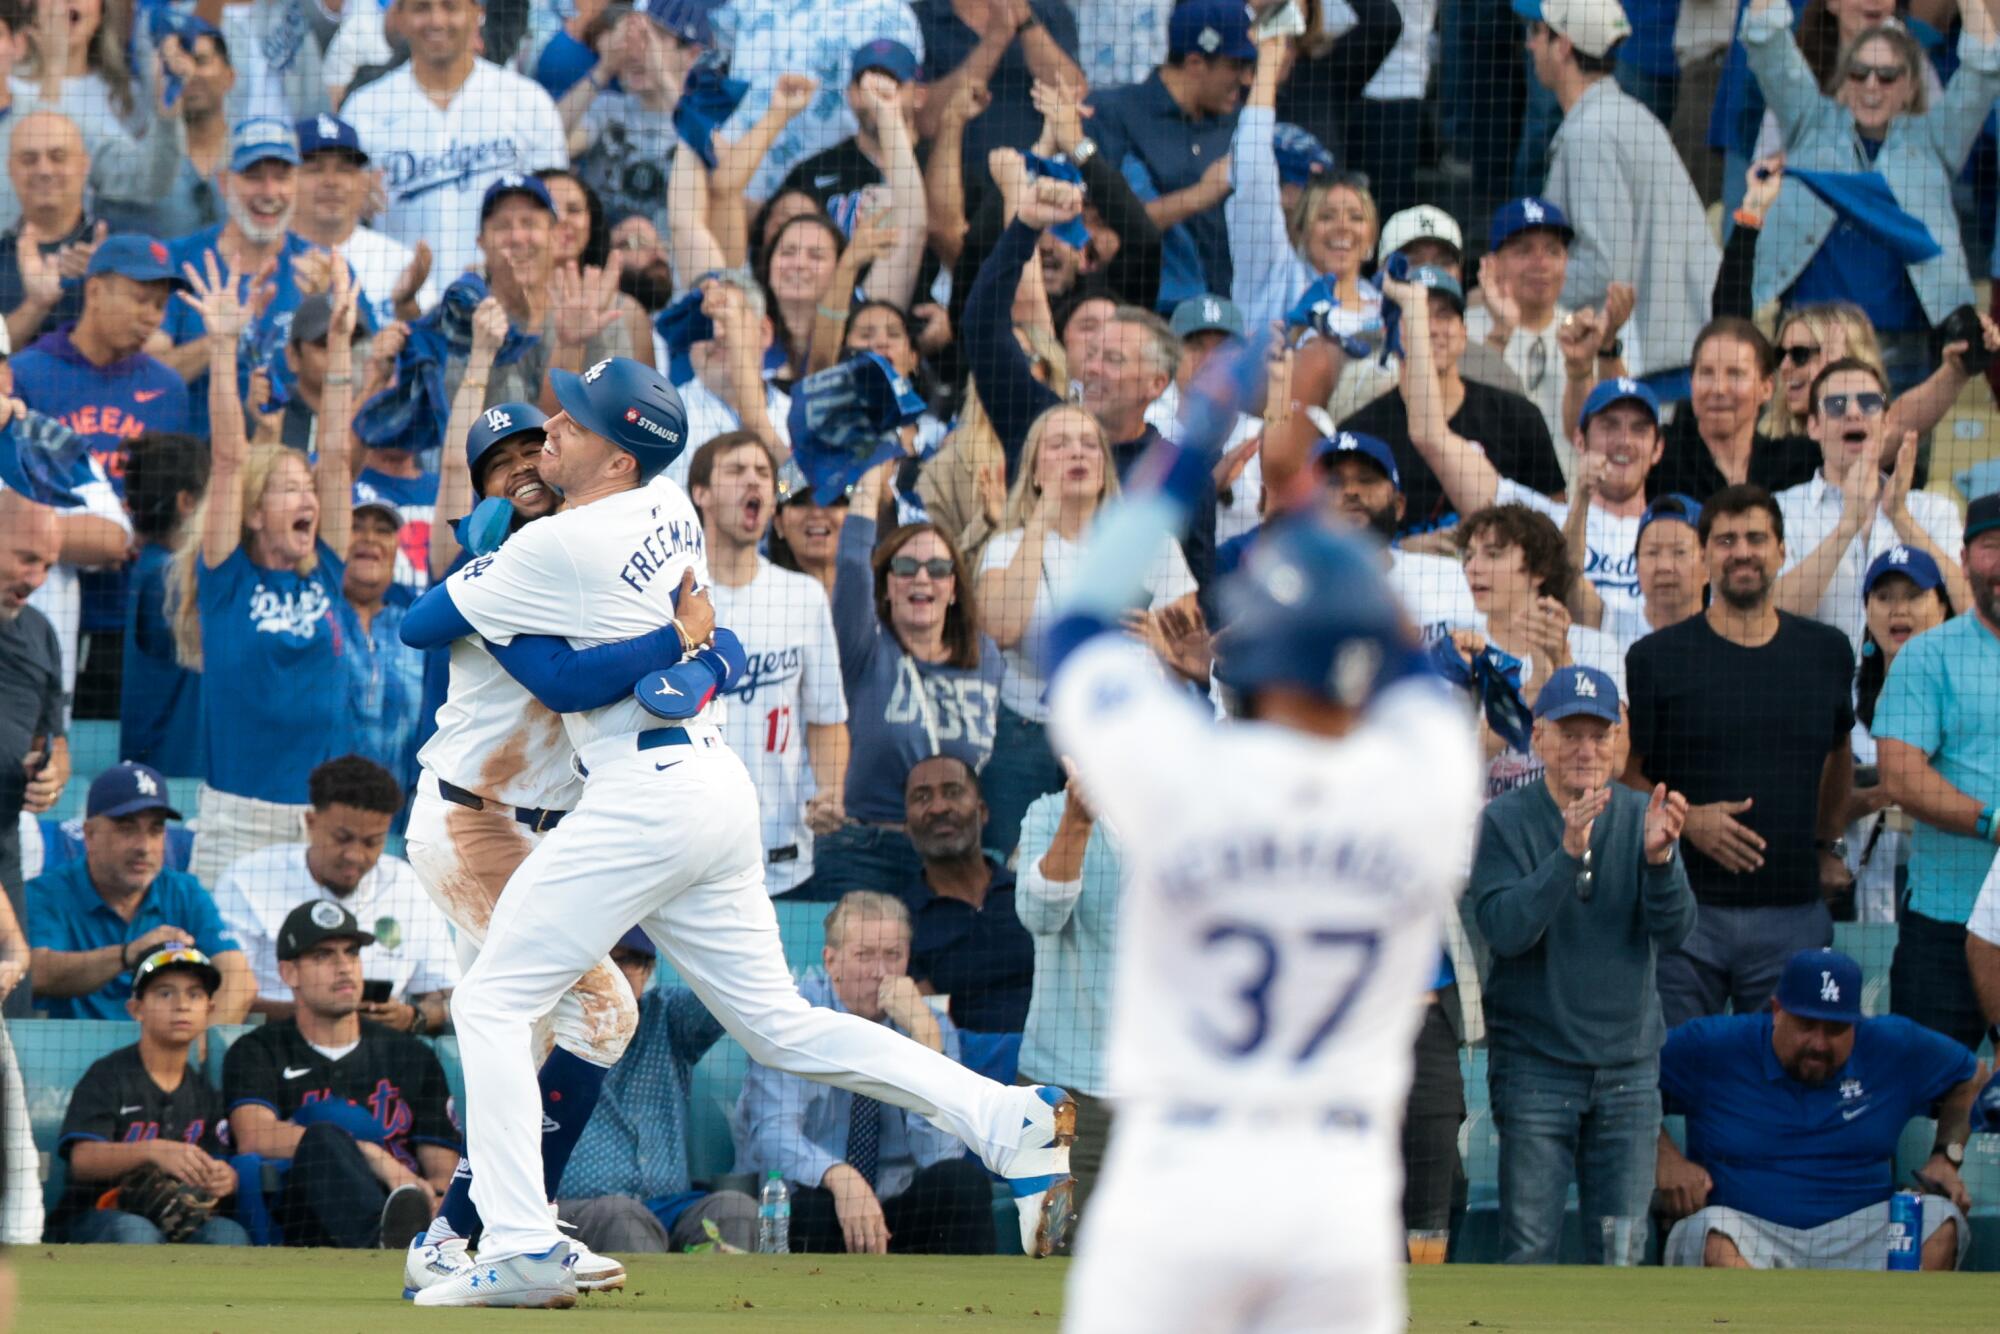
[{"x": 1289, "y": 874}]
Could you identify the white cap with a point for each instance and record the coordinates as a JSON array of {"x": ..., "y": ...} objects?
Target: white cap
[
  {"x": 1592, "y": 26},
  {"x": 1425, "y": 222}
]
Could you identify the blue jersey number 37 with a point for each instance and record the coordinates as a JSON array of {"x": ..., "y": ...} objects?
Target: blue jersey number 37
[{"x": 1263, "y": 959}]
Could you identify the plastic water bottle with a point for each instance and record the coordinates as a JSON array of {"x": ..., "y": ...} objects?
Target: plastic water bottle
[
  {"x": 1906, "y": 1230},
  {"x": 774, "y": 1217}
]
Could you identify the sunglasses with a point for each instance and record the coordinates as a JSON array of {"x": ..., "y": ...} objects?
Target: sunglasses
[
  {"x": 1872, "y": 404},
  {"x": 906, "y": 567},
  {"x": 1882, "y": 74},
  {"x": 1799, "y": 353}
]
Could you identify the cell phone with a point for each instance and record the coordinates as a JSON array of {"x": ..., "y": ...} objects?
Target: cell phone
[
  {"x": 375, "y": 990},
  {"x": 1282, "y": 20}
]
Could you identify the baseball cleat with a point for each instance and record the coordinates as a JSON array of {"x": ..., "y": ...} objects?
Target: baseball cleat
[
  {"x": 405, "y": 1215},
  {"x": 428, "y": 1263},
  {"x": 594, "y": 1272},
  {"x": 546, "y": 1281},
  {"x": 1037, "y": 1168}
]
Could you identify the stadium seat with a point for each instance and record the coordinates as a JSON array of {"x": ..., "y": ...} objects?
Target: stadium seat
[
  {"x": 718, "y": 1078},
  {"x": 802, "y": 926},
  {"x": 454, "y": 1072},
  {"x": 1873, "y": 946},
  {"x": 53, "y": 1055},
  {"x": 93, "y": 748}
]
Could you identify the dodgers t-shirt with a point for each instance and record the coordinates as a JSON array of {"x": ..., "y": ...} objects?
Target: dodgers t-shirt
[
  {"x": 1797, "y": 1154},
  {"x": 274, "y": 692}
]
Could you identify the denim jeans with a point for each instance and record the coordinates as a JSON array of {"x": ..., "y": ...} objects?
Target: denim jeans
[
  {"x": 1022, "y": 769},
  {"x": 858, "y": 856},
  {"x": 115, "y": 1227},
  {"x": 1597, "y": 1125}
]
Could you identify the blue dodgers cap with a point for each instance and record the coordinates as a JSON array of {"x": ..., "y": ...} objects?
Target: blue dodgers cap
[
  {"x": 1624, "y": 389},
  {"x": 262, "y": 139},
  {"x": 1821, "y": 984},
  {"x": 1527, "y": 215},
  {"x": 1441, "y": 283},
  {"x": 1329, "y": 448},
  {"x": 631, "y": 405},
  {"x": 131, "y": 255},
  {"x": 1207, "y": 313},
  {"x": 1982, "y": 515},
  {"x": 494, "y": 427},
  {"x": 886, "y": 54},
  {"x": 530, "y": 186},
  {"x": 1218, "y": 29},
  {"x": 326, "y": 133},
  {"x": 846, "y": 419},
  {"x": 1300, "y": 155},
  {"x": 1913, "y": 563},
  {"x": 685, "y": 19},
  {"x": 127, "y": 789},
  {"x": 1573, "y": 692},
  {"x": 1674, "y": 507},
  {"x": 637, "y": 941}
]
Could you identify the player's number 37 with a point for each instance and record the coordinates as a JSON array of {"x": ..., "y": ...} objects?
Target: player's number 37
[{"x": 1345, "y": 958}]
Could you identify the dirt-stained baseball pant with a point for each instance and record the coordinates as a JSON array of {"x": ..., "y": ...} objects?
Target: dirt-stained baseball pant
[
  {"x": 464, "y": 859},
  {"x": 668, "y": 838}
]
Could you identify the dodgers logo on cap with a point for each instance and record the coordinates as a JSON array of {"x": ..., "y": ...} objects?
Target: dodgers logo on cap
[
  {"x": 497, "y": 419},
  {"x": 591, "y": 376}
]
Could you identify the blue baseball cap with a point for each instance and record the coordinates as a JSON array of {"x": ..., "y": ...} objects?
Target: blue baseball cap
[
  {"x": 1674, "y": 507},
  {"x": 262, "y": 139},
  {"x": 1821, "y": 984},
  {"x": 637, "y": 941},
  {"x": 631, "y": 405},
  {"x": 886, "y": 54},
  {"x": 1207, "y": 313},
  {"x": 1624, "y": 389},
  {"x": 132, "y": 255},
  {"x": 1574, "y": 692},
  {"x": 685, "y": 19},
  {"x": 1441, "y": 283},
  {"x": 530, "y": 186},
  {"x": 1218, "y": 29},
  {"x": 1527, "y": 215},
  {"x": 1329, "y": 448},
  {"x": 1982, "y": 515},
  {"x": 494, "y": 427},
  {"x": 327, "y": 133},
  {"x": 127, "y": 789},
  {"x": 1301, "y": 156},
  {"x": 1913, "y": 563}
]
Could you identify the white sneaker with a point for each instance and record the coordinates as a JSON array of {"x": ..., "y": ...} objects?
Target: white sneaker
[
  {"x": 546, "y": 1281},
  {"x": 594, "y": 1272},
  {"x": 1037, "y": 1168},
  {"x": 428, "y": 1263}
]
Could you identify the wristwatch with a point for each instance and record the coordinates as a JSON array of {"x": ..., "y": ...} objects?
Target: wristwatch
[
  {"x": 1611, "y": 350},
  {"x": 1835, "y": 846},
  {"x": 1953, "y": 1153},
  {"x": 1084, "y": 151}
]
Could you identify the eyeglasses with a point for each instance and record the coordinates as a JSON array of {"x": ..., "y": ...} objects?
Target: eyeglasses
[
  {"x": 1870, "y": 403},
  {"x": 906, "y": 567},
  {"x": 1799, "y": 353},
  {"x": 1882, "y": 74}
]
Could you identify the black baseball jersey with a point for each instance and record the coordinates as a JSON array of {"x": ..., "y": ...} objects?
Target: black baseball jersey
[
  {"x": 391, "y": 1077},
  {"x": 117, "y": 1102}
]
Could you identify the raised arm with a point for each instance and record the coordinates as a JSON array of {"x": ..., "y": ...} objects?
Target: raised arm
[
  {"x": 1003, "y": 19},
  {"x": 1007, "y": 387},
  {"x": 1779, "y": 67},
  {"x": 736, "y": 161},
  {"x": 1468, "y": 479},
  {"x": 894, "y": 277},
  {"x": 455, "y": 498},
  {"x": 691, "y": 247},
  {"x": 1007, "y": 593},
  {"x": 333, "y": 477},
  {"x": 944, "y": 172},
  {"x": 214, "y": 295}
]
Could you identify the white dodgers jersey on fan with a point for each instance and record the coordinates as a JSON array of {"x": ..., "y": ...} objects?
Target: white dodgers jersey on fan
[
  {"x": 1285, "y": 894},
  {"x": 596, "y": 574},
  {"x": 496, "y": 739},
  {"x": 791, "y": 679}
]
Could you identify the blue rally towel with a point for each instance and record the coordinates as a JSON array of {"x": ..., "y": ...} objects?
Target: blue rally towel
[
  {"x": 681, "y": 325},
  {"x": 1494, "y": 678},
  {"x": 1070, "y": 232},
  {"x": 1862, "y": 198},
  {"x": 846, "y": 419},
  {"x": 411, "y": 413},
  {"x": 43, "y": 460},
  {"x": 708, "y": 98},
  {"x": 1313, "y": 310}
]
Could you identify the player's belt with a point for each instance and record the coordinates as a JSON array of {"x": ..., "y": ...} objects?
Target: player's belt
[
  {"x": 1319, "y": 1118},
  {"x": 541, "y": 821},
  {"x": 664, "y": 736}
]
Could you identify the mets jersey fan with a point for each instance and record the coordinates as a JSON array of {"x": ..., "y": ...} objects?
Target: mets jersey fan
[{"x": 666, "y": 835}]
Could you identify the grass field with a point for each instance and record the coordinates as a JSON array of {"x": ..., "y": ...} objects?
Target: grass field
[{"x": 194, "y": 1290}]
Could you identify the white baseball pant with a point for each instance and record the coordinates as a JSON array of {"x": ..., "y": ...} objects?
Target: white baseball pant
[
  {"x": 464, "y": 859},
  {"x": 668, "y": 838},
  {"x": 1173, "y": 1244}
]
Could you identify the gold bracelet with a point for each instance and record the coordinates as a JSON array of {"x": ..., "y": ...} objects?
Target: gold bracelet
[{"x": 830, "y": 313}]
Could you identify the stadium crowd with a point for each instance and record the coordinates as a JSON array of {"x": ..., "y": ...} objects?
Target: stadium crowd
[{"x": 1641, "y": 338}]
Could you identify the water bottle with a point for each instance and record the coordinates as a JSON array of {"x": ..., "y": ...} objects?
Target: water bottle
[
  {"x": 774, "y": 1217},
  {"x": 1906, "y": 1231}
]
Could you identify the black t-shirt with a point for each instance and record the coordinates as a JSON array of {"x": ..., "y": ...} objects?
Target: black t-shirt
[
  {"x": 117, "y": 1102},
  {"x": 983, "y": 958},
  {"x": 393, "y": 1077},
  {"x": 833, "y": 174},
  {"x": 1687, "y": 468},
  {"x": 1508, "y": 427},
  {"x": 1716, "y": 721}
]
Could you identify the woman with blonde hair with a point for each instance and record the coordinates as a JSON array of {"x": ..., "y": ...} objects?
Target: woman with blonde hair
[
  {"x": 1065, "y": 477},
  {"x": 255, "y": 592},
  {"x": 1811, "y": 338}
]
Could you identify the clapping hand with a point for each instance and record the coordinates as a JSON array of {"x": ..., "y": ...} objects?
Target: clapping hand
[
  {"x": 1666, "y": 816},
  {"x": 1579, "y": 816}
]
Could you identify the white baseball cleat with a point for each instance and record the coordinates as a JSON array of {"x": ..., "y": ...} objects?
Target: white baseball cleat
[
  {"x": 545, "y": 1281},
  {"x": 594, "y": 1272},
  {"x": 1037, "y": 1169},
  {"x": 429, "y": 1263}
]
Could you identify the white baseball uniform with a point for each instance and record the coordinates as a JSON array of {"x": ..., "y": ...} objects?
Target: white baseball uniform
[
  {"x": 666, "y": 835},
  {"x": 1283, "y": 914},
  {"x": 791, "y": 681}
]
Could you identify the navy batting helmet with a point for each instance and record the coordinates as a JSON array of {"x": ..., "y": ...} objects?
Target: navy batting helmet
[
  {"x": 1310, "y": 609},
  {"x": 630, "y": 404},
  {"x": 498, "y": 424}
]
